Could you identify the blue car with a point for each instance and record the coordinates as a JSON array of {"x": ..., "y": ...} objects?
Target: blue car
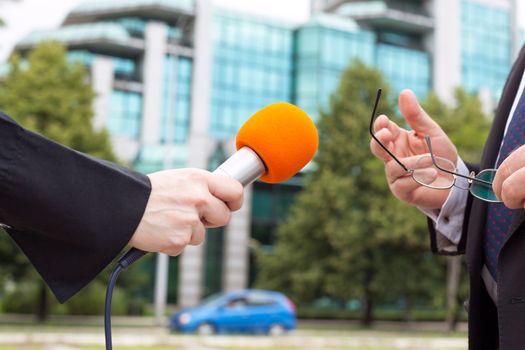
[{"x": 245, "y": 311}]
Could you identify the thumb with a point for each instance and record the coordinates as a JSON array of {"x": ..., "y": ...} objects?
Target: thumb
[{"x": 415, "y": 116}]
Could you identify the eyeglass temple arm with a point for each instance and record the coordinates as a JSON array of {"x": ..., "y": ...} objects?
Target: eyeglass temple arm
[
  {"x": 429, "y": 144},
  {"x": 371, "y": 130}
]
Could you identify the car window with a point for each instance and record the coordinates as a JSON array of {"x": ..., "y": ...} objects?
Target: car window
[
  {"x": 236, "y": 302},
  {"x": 213, "y": 299},
  {"x": 257, "y": 299}
]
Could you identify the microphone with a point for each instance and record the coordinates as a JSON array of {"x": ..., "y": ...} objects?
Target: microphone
[{"x": 272, "y": 145}]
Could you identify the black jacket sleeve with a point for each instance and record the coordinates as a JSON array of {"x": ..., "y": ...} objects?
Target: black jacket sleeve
[
  {"x": 71, "y": 214},
  {"x": 435, "y": 246}
]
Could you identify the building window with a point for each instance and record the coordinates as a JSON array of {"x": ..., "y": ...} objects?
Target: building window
[
  {"x": 251, "y": 69},
  {"x": 485, "y": 48},
  {"x": 176, "y": 102},
  {"x": 125, "y": 114},
  {"x": 404, "y": 68}
]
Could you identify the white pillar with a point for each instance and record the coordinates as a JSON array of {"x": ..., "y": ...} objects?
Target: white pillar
[
  {"x": 199, "y": 145},
  {"x": 162, "y": 268},
  {"x": 161, "y": 287},
  {"x": 515, "y": 30},
  {"x": 102, "y": 77},
  {"x": 153, "y": 82},
  {"x": 446, "y": 47},
  {"x": 237, "y": 246}
]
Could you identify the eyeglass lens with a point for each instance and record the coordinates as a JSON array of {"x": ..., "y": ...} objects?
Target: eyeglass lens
[
  {"x": 427, "y": 174},
  {"x": 484, "y": 191}
]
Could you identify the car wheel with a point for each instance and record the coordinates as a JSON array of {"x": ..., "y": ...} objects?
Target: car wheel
[
  {"x": 205, "y": 329},
  {"x": 276, "y": 329}
]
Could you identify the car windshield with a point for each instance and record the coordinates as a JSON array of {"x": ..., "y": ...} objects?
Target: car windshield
[{"x": 213, "y": 299}]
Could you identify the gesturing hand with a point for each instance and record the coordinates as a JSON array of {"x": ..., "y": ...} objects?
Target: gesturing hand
[
  {"x": 409, "y": 146},
  {"x": 181, "y": 205}
]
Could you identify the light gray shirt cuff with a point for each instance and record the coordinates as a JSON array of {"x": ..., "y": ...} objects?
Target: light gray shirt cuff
[{"x": 448, "y": 220}]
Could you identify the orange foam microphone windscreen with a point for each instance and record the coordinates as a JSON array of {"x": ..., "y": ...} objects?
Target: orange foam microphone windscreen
[{"x": 283, "y": 136}]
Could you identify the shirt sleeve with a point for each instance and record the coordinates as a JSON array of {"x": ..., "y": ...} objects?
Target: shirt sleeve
[
  {"x": 71, "y": 214},
  {"x": 448, "y": 221}
]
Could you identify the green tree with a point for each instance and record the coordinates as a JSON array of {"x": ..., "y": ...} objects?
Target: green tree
[
  {"x": 346, "y": 236},
  {"x": 46, "y": 93}
]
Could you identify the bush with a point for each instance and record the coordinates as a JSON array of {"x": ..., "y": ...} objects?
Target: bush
[
  {"x": 21, "y": 300},
  {"x": 90, "y": 301},
  {"x": 379, "y": 315},
  {"x": 24, "y": 298}
]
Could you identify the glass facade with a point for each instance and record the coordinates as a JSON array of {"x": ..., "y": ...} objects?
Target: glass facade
[
  {"x": 405, "y": 68},
  {"x": 485, "y": 46},
  {"x": 84, "y": 57},
  {"x": 124, "y": 68},
  {"x": 252, "y": 68},
  {"x": 270, "y": 205},
  {"x": 322, "y": 53},
  {"x": 176, "y": 100},
  {"x": 125, "y": 114}
]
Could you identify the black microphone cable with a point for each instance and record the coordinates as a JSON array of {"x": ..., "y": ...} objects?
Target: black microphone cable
[{"x": 127, "y": 259}]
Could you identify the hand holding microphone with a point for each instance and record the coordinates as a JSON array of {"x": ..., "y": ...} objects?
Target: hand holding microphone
[
  {"x": 182, "y": 204},
  {"x": 273, "y": 145}
]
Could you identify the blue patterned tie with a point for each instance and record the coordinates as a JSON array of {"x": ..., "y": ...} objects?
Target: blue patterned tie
[{"x": 499, "y": 217}]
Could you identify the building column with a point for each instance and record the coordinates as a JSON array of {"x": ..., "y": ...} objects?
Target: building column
[
  {"x": 153, "y": 82},
  {"x": 102, "y": 78},
  {"x": 515, "y": 30},
  {"x": 237, "y": 246},
  {"x": 446, "y": 47},
  {"x": 191, "y": 268}
]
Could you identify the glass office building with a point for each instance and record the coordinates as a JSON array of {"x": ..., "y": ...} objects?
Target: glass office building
[
  {"x": 144, "y": 64},
  {"x": 485, "y": 46}
]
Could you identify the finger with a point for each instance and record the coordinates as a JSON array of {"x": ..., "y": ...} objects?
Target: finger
[
  {"x": 383, "y": 122},
  {"x": 227, "y": 189},
  {"x": 173, "y": 250},
  {"x": 197, "y": 236},
  {"x": 385, "y": 137},
  {"x": 514, "y": 162},
  {"x": 513, "y": 191},
  {"x": 215, "y": 213},
  {"x": 404, "y": 188},
  {"x": 394, "y": 171},
  {"x": 415, "y": 116}
]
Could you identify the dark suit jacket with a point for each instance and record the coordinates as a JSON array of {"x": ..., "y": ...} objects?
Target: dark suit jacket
[
  {"x": 71, "y": 214},
  {"x": 505, "y": 325}
]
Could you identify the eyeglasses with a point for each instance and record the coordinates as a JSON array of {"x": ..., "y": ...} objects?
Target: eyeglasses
[
  {"x": 480, "y": 184},
  {"x": 424, "y": 169}
]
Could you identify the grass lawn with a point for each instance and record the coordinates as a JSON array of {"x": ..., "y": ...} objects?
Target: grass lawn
[{"x": 310, "y": 336}]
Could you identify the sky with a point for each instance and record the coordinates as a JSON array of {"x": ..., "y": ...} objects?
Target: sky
[{"x": 25, "y": 16}]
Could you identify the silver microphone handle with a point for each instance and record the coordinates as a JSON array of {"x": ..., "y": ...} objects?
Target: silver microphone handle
[{"x": 244, "y": 166}]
